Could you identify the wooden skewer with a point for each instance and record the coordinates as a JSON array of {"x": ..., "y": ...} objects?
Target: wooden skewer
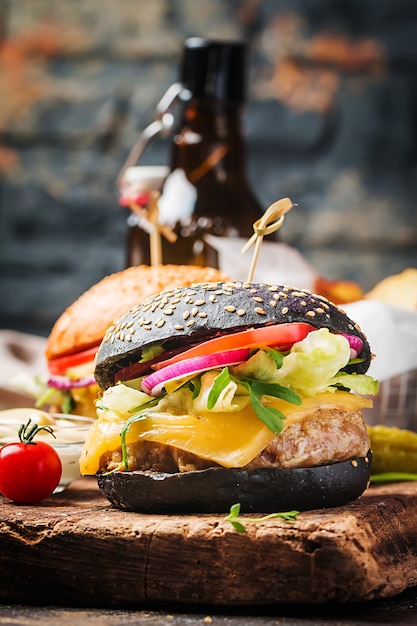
[
  {"x": 151, "y": 216},
  {"x": 270, "y": 222}
]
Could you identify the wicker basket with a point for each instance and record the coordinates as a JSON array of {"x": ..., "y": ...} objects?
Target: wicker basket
[{"x": 396, "y": 402}]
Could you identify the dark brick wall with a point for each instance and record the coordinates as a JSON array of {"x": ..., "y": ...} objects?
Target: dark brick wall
[{"x": 331, "y": 122}]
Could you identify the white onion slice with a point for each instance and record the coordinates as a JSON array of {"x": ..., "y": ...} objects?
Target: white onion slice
[{"x": 154, "y": 383}]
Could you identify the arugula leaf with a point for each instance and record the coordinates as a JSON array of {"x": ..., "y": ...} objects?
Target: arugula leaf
[
  {"x": 274, "y": 389},
  {"x": 135, "y": 418},
  {"x": 234, "y": 516},
  {"x": 220, "y": 382},
  {"x": 68, "y": 402},
  {"x": 148, "y": 404},
  {"x": 392, "y": 477},
  {"x": 271, "y": 417},
  {"x": 194, "y": 385},
  {"x": 278, "y": 357}
]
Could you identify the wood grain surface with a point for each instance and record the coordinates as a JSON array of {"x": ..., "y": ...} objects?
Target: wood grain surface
[{"x": 74, "y": 549}]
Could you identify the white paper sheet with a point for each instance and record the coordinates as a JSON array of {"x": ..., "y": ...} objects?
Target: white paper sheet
[
  {"x": 277, "y": 263},
  {"x": 392, "y": 334}
]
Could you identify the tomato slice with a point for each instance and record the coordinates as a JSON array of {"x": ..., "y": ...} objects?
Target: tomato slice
[
  {"x": 61, "y": 364},
  {"x": 281, "y": 336}
]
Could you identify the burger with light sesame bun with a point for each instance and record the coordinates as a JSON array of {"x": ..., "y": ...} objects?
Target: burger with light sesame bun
[
  {"x": 78, "y": 332},
  {"x": 222, "y": 393}
]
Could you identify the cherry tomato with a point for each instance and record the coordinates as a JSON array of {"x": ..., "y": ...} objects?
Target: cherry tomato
[
  {"x": 60, "y": 364},
  {"x": 29, "y": 471}
]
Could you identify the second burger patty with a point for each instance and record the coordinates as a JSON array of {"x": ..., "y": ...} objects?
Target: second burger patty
[{"x": 323, "y": 436}]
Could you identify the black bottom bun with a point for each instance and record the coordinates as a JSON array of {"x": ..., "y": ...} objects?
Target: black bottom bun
[{"x": 215, "y": 490}]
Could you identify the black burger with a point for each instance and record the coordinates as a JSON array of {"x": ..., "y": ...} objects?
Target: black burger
[{"x": 223, "y": 393}]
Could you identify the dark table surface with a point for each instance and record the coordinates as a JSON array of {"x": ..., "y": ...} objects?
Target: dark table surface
[{"x": 400, "y": 610}]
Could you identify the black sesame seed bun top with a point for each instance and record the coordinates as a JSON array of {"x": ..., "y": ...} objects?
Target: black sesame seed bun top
[{"x": 189, "y": 315}]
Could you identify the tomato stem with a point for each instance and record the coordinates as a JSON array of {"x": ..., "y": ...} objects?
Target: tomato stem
[{"x": 27, "y": 431}]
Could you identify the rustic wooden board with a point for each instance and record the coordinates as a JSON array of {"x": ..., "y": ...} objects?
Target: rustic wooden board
[{"x": 75, "y": 549}]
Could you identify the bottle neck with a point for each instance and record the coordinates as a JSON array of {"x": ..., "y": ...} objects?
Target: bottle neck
[{"x": 208, "y": 142}]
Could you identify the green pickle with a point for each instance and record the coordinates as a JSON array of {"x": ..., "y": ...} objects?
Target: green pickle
[{"x": 394, "y": 450}]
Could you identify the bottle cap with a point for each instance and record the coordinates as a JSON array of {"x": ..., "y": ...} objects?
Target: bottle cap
[{"x": 215, "y": 69}]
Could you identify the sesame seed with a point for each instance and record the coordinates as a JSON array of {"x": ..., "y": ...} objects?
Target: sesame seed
[
  {"x": 202, "y": 314},
  {"x": 194, "y": 311},
  {"x": 178, "y": 327},
  {"x": 159, "y": 322},
  {"x": 311, "y": 314},
  {"x": 259, "y": 310},
  {"x": 147, "y": 328},
  {"x": 319, "y": 310},
  {"x": 200, "y": 302},
  {"x": 273, "y": 303},
  {"x": 190, "y": 323},
  {"x": 230, "y": 308},
  {"x": 241, "y": 312},
  {"x": 284, "y": 310},
  {"x": 354, "y": 463},
  {"x": 168, "y": 311},
  {"x": 186, "y": 315},
  {"x": 257, "y": 299}
]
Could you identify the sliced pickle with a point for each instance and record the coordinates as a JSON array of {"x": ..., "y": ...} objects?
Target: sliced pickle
[{"x": 394, "y": 449}]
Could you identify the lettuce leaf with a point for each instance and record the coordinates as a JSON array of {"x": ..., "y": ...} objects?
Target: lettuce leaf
[
  {"x": 260, "y": 366},
  {"x": 362, "y": 384},
  {"x": 122, "y": 400},
  {"x": 313, "y": 362},
  {"x": 312, "y": 365}
]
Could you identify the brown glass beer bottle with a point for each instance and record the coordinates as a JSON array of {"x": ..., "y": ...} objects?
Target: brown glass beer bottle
[{"x": 207, "y": 190}]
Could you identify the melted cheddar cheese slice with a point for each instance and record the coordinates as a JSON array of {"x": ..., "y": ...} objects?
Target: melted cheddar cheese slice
[{"x": 229, "y": 439}]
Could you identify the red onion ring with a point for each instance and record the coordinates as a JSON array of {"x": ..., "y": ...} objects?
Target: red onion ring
[
  {"x": 154, "y": 383},
  {"x": 64, "y": 383},
  {"x": 355, "y": 343}
]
